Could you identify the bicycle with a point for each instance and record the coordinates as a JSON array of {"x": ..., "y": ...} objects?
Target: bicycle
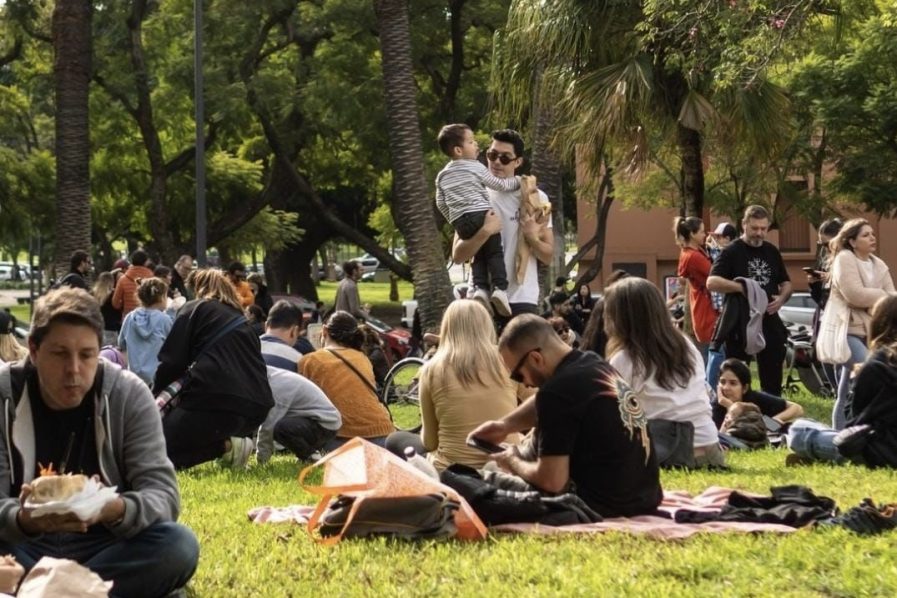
[{"x": 401, "y": 395}]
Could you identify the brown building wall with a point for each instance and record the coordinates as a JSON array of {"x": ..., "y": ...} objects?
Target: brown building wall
[{"x": 645, "y": 238}]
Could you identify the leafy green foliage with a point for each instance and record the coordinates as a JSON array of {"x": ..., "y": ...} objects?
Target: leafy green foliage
[{"x": 851, "y": 101}]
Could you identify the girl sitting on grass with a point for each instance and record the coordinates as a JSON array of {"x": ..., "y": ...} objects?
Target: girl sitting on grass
[
  {"x": 658, "y": 362},
  {"x": 144, "y": 330},
  {"x": 10, "y": 349}
]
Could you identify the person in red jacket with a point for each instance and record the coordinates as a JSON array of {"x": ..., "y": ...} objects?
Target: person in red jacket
[
  {"x": 694, "y": 266},
  {"x": 125, "y": 296}
]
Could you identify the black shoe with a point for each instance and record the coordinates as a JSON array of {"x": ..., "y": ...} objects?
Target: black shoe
[
  {"x": 867, "y": 519},
  {"x": 851, "y": 441}
]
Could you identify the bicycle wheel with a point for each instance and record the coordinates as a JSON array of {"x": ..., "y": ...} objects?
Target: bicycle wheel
[{"x": 400, "y": 393}]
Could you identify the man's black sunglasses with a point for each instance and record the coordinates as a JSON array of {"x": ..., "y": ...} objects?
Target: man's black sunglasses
[
  {"x": 505, "y": 159},
  {"x": 516, "y": 376}
]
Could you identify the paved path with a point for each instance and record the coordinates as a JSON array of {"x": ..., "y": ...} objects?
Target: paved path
[{"x": 8, "y": 298}]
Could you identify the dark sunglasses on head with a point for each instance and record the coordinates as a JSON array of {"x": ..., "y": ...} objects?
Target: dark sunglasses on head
[{"x": 505, "y": 159}]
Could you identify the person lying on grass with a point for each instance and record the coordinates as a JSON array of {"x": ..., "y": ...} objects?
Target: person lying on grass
[
  {"x": 734, "y": 387},
  {"x": 591, "y": 433}
]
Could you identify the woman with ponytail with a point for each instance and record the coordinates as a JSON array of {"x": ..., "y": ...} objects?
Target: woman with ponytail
[
  {"x": 694, "y": 266},
  {"x": 346, "y": 376}
]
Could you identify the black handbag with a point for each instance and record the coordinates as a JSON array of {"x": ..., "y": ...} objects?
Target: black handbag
[{"x": 673, "y": 443}]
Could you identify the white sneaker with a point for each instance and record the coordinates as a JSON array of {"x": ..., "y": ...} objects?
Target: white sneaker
[
  {"x": 482, "y": 295},
  {"x": 238, "y": 455},
  {"x": 500, "y": 303}
]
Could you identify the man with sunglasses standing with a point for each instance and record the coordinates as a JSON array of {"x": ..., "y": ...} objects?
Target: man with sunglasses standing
[
  {"x": 591, "y": 434},
  {"x": 504, "y": 157}
]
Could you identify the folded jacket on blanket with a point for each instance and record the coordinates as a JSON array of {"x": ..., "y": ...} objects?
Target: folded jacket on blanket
[
  {"x": 495, "y": 505},
  {"x": 795, "y": 506}
]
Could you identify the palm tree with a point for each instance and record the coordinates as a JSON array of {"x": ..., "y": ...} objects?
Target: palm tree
[
  {"x": 71, "y": 69},
  {"x": 646, "y": 81},
  {"x": 411, "y": 200}
]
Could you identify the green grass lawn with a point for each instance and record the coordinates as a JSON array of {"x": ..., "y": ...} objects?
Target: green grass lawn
[{"x": 242, "y": 559}]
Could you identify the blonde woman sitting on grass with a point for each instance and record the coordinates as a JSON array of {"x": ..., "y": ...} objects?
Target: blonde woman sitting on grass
[
  {"x": 463, "y": 385},
  {"x": 10, "y": 349}
]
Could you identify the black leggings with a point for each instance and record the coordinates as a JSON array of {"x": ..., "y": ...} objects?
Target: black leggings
[
  {"x": 193, "y": 437},
  {"x": 771, "y": 360}
]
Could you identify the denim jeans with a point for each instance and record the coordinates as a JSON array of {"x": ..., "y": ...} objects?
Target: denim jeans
[
  {"x": 813, "y": 440},
  {"x": 155, "y": 562},
  {"x": 302, "y": 435},
  {"x": 714, "y": 360},
  {"x": 858, "y": 353}
]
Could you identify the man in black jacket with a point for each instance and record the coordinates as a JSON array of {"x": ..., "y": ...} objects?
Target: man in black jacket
[
  {"x": 751, "y": 256},
  {"x": 79, "y": 267}
]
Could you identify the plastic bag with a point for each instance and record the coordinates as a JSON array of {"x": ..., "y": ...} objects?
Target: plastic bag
[
  {"x": 62, "y": 578},
  {"x": 361, "y": 470},
  {"x": 86, "y": 505}
]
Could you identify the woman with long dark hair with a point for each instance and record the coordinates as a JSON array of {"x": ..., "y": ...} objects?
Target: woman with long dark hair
[{"x": 661, "y": 365}]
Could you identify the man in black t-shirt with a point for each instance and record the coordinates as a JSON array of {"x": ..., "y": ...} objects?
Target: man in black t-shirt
[
  {"x": 751, "y": 256},
  {"x": 591, "y": 432}
]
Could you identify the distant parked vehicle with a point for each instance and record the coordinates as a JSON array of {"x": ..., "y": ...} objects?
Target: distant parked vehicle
[{"x": 799, "y": 309}]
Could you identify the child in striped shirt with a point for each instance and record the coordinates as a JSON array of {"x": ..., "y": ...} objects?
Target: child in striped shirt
[{"x": 462, "y": 198}]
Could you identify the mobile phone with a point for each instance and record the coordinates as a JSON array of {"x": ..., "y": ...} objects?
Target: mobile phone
[
  {"x": 483, "y": 445},
  {"x": 809, "y": 270}
]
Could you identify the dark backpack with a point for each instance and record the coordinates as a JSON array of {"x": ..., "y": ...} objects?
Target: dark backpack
[
  {"x": 408, "y": 517},
  {"x": 65, "y": 281}
]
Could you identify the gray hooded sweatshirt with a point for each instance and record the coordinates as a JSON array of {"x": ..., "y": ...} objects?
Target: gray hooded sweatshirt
[{"x": 130, "y": 447}]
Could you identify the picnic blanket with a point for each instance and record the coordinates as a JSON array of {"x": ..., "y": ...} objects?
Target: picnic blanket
[{"x": 663, "y": 528}]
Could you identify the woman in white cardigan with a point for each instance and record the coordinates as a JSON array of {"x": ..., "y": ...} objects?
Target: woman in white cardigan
[{"x": 858, "y": 278}]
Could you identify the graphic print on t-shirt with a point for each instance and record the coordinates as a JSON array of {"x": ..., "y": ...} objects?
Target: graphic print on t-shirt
[
  {"x": 631, "y": 412},
  {"x": 760, "y": 270}
]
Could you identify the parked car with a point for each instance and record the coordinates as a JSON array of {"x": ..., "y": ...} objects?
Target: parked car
[
  {"x": 395, "y": 340},
  {"x": 7, "y": 269},
  {"x": 799, "y": 309}
]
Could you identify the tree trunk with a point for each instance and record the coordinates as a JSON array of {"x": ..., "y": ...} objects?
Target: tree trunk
[
  {"x": 692, "y": 170},
  {"x": 548, "y": 170},
  {"x": 603, "y": 203},
  {"x": 71, "y": 70},
  {"x": 432, "y": 287}
]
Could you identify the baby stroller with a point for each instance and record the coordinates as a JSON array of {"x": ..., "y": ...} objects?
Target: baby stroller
[{"x": 803, "y": 367}]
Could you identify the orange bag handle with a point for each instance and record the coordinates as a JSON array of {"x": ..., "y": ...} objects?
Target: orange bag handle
[
  {"x": 329, "y": 491},
  {"x": 316, "y": 516}
]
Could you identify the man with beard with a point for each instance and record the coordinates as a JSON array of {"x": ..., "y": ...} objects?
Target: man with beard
[{"x": 751, "y": 256}]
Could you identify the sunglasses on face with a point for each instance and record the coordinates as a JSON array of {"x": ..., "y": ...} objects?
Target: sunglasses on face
[
  {"x": 505, "y": 159},
  {"x": 516, "y": 376}
]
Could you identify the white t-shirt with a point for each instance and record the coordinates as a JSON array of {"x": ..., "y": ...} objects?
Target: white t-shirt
[
  {"x": 689, "y": 404},
  {"x": 868, "y": 269},
  {"x": 507, "y": 205}
]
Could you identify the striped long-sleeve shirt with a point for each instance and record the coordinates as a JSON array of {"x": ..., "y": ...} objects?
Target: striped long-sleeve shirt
[{"x": 461, "y": 188}]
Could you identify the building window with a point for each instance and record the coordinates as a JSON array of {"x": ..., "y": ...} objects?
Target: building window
[{"x": 639, "y": 269}]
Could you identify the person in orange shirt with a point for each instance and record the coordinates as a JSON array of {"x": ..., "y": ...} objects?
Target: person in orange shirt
[
  {"x": 125, "y": 296},
  {"x": 236, "y": 274}
]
